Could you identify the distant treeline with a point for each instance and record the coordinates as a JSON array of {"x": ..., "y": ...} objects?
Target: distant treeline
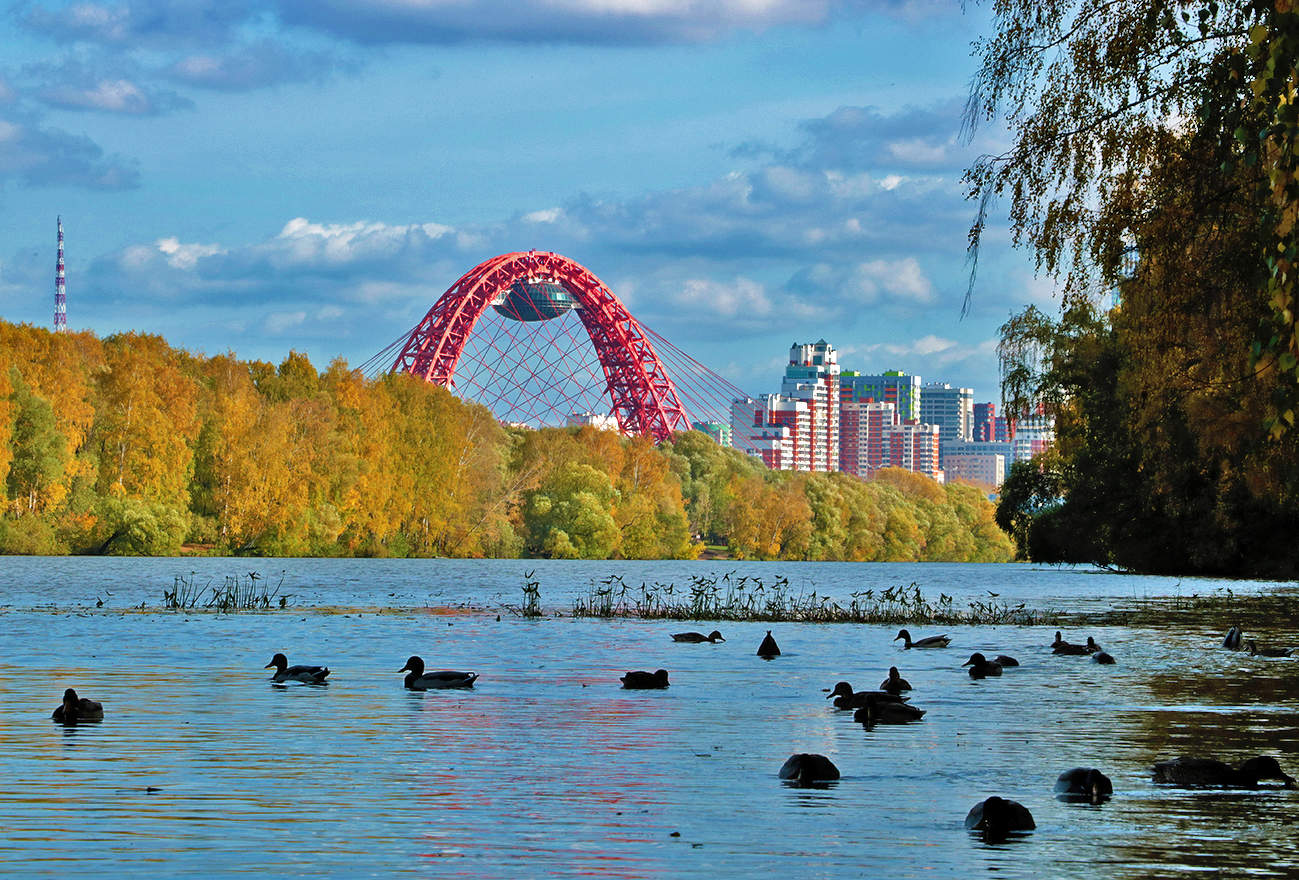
[{"x": 126, "y": 445}]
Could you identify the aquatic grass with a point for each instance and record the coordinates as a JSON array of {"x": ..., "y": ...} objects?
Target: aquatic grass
[
  {"x": 246, "y": 592},
  {"x": 746, "y": 598},
  {"x": 184, "y": 594},
  {"x": 531, "y": 606}
]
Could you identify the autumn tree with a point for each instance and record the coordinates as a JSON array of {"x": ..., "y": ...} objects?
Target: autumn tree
[
  {"x": 146, "y": 421},
  {"x": 1152, "y": 156}
]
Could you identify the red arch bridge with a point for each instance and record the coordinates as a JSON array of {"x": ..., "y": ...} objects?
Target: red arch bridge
[{"x": 540, "y": 340}]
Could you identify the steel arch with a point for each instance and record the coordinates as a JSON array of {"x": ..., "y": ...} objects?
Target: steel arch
[{"x": 644, "y": 399}]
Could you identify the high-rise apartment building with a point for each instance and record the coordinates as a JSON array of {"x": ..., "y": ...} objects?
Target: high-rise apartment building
[
  {"x": 812, "y": 376},
  {"x": 989, "y": 427},
  {"x": 891, "y": 386},
  {"x": 797, "y": 429},
  {"x": 951, "y": 409},
  {"x": 1033, "y": 435},
  {"x": 861, "y": 436},
  {"x": 774, "y": 428},
  {"x": 913, "y": 447}
]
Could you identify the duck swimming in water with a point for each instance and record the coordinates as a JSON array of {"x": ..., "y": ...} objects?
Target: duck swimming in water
[
  {"x": 1068, "y": 649},
  {"x": 695, "y": 638},
  {"x": 1266, "y": 651},
  {"x": 284, "y": 672},
  {"x": 1207, "y": 773},
  {"x": 982, "y": 667},
  {"x": 768, "y": 648},
  {"x": 895, "y": 683},
  {"x": 927, "y": 642},
  {"x": 644, "y": 681},
  {"x": 879, "y": 711},
  {"x": 997, "y": 818},
  {"x": 805, "y": 769},
  {"x": 846, "y": 698},
  {"x": 419, "y": 680},
  {"x": 1102, "y": 658},
  {"x": 1084, "y": 784},
  {"x": 74, "y": 709}
]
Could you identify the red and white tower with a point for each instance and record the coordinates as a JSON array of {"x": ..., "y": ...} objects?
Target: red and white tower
[{"x": 60, "y": 290}]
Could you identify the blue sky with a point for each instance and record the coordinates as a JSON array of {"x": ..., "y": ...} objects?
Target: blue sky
[{"x": 266, "y": 175}]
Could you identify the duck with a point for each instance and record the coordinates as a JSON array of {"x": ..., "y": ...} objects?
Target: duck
[
  {"x": 927, "y": 642},
  {"x": 1103, "y": 658},
  {"x": 695, "y": 638},
  {"x": 1266, "y": 651},
  {"x": 642, "y": 681},
  {"x": 1059, "y": 639},
  {"x": 1091, "y": 645},
  {"x": 1005, "y": 661},
  {"x": 805, "y": 769},
  {"x": 845, "y": 698},
  {"x": 878, "y": 711},
  {"x": 1069, "y": 649},
  {"x": 1232, "y": 641},
  {"x": 895, "y": 683},
  {"x": 982, "y": 667},
  {"x": 419, "y": 680},
  {"x": 1208, "y": 773},
  {"x": 74, "y": 709},
  {"x": 768, "y": 648},
  {"x": 285, "y": 672},
  {"x": 996, "y": 818},
  {"x": 1083, "y": 784}
]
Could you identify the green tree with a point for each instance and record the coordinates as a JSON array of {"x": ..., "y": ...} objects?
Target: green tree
[
  {"x": 570, "y": 515},
  {"x": 38, "y": 452}
]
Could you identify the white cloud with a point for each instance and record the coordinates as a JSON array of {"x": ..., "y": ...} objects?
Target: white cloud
[
  {"x": 185, "y": 256},
  {"x": 548, "y": 215},
  {"x": 903, "y": 278},
  {"x": 278, "y": 322},
  {"x": 740, "y": 297}
]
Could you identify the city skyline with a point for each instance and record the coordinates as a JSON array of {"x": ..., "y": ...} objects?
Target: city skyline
[{"x": 260, "y": 177}]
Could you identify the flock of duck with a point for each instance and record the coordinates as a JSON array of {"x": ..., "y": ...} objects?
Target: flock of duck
[{"x": 994, "y": 818}]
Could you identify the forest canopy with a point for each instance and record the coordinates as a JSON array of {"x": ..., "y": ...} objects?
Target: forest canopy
[{"x": 125, "y": 445}]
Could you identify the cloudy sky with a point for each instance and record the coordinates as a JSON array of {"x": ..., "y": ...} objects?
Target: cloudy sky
[{"x": 267, "y": 175}]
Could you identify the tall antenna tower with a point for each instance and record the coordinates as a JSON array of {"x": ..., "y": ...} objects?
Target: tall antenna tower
[{"x": 60, "y": 290}]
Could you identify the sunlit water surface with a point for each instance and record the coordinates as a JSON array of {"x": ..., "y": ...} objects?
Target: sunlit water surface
[{"x": 548, "y": 767}]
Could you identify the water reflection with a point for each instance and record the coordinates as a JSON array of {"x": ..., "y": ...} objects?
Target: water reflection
[{"x": 547, "y": 766}]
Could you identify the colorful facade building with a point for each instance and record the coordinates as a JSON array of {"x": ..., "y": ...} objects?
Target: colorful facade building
[
  {"x": 891, "y": 386},
  {"x": 914, "y": 447},
  {"x": 989, "y": 427},
  {"x": 773, "y": 428},
  {"x": 812, "y": 376},
  {"x": 861, "y": 436}
]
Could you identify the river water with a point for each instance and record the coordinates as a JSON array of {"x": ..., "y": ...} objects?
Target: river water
[{"x": 547, "y": 767}]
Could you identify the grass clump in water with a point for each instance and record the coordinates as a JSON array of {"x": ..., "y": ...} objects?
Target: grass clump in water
[
  {"x": 247, "y": 592},
  {"x": 745, "y": 598}
]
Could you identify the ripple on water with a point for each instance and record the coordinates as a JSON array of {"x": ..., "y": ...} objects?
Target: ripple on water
[{"x": 548, "y": 766}]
